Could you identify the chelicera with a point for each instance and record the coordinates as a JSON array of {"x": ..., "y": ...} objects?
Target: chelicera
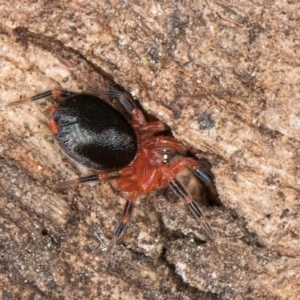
[{"x": 98, "y": 136}]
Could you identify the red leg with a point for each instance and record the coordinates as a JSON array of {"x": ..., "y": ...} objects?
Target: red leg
[
  {"x": 150, "y": 127},
  {"x": 162, "y": 176},
  {"x": 51, "y": 122},
  {"x": 147, "y": 183},
  {"x": 131, "y": 188},
  {"x": 165, "y": 143},
  {"x": 138, "y": 120},
  {"x": 179, "y": 164},
  {"x": 149, "y": 180},
  {"x": 55, "y": 93},
  {"x": 125, "y": 172},
  {"x": 157, "y": 178},
  {"x": 139, "y": 123},
  {"x": 126, "y": 184}
]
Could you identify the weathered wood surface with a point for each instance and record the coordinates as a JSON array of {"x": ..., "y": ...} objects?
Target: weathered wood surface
[{"x": 225, "y": 77}]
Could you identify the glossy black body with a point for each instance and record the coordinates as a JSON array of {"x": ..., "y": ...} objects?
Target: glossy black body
[{"x": 94, "y": 133}]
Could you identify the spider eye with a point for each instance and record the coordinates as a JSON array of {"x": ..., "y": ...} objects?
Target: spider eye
[{"x": 166, "y": 158}]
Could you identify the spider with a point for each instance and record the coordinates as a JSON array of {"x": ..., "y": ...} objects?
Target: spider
[{"x": 96, "y": 135}]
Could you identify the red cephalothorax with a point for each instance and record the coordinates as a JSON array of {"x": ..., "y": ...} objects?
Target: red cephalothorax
[{"x": 134, "y": 153}]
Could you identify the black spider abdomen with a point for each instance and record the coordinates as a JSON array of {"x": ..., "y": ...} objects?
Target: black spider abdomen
[{"x": 94, "y": 133}]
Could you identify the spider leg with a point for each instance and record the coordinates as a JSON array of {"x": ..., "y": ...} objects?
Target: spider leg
[
  {"x": 56, "y": 93},
  {"x": 162, "y": 176},
  {"x": 122, "y": 225},
  {"x": 169, "y": 143},
  {"x": 149, "y": 181},
  {"x": 124, "y": 99},
  {"x": 127, "y": 171},
  {"x": 150, "y": 127},
  {"x": 181, "y": 191},
  {"x": 203, "y": 176},
  {"x": 179, "y": 164},
  {"x": 138, "y": 120},
  {"x": 164, "y": 143}
]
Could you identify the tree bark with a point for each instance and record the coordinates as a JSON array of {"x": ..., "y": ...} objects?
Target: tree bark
[{"x": 225, "y": 78}]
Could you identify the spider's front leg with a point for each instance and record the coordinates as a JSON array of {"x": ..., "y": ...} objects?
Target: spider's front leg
[
  {"x": 163, "y": 175},
  {"x": 122, "y": 225},
  {"x": 182, "y": 192},
  {"x": 179, "y": 164}
]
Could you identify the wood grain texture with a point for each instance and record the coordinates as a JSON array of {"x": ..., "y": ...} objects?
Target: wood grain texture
[{"x": 225, "y": 78}]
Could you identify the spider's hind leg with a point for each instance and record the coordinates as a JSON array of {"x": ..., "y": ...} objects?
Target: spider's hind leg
[
  {"x": 55, "y": 93},
  {"x": 127, "y": 171}
]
